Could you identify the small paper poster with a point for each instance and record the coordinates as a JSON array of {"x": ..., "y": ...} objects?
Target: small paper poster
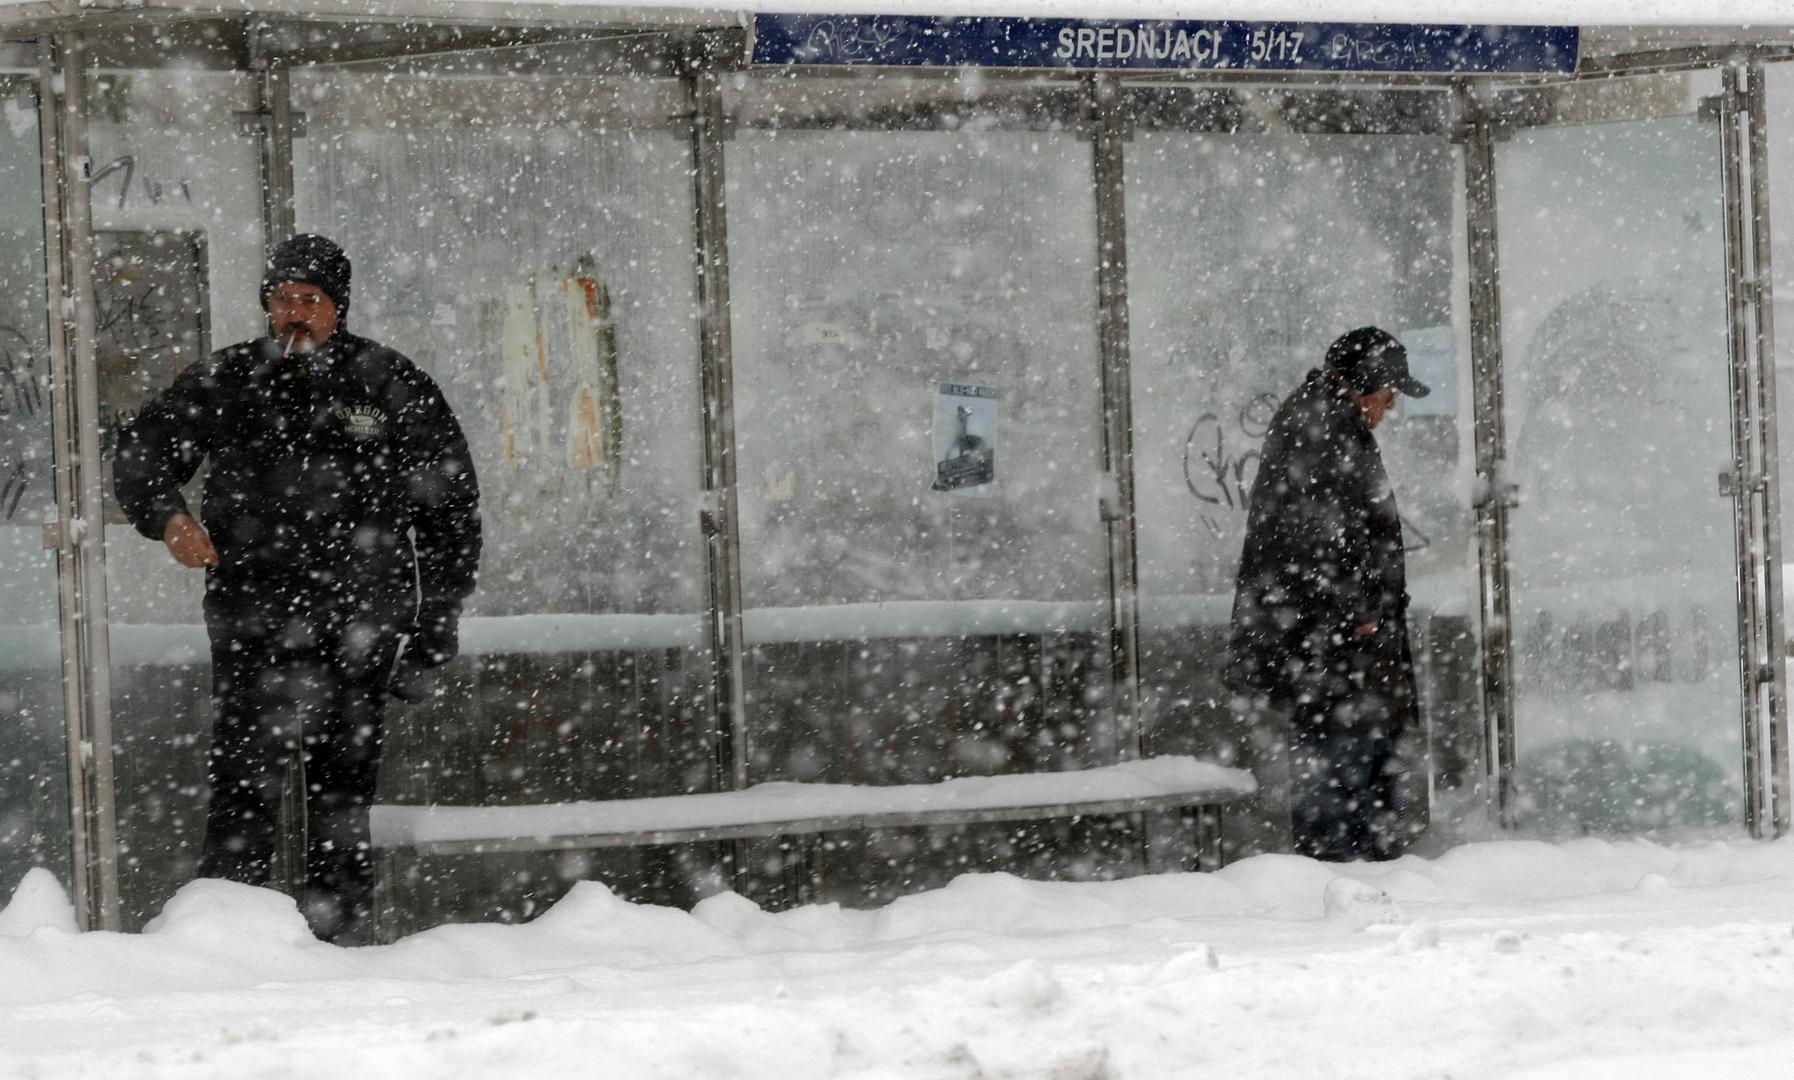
[{"x": 965, "y": 440}]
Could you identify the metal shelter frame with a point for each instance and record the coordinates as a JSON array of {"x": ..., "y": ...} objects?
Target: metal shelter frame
[{"x": 62, "y": 40}]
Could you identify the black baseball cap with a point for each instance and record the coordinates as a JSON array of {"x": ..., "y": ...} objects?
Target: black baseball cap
[{"x": 1370, "y": 358}]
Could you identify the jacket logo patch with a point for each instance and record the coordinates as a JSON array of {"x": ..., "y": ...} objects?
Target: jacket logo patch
[{"x": 362, "y": 421}]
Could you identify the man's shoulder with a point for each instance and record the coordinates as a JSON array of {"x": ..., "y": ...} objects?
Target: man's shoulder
[
  {"x": 1319, "y": 397},
  {"x": 377, "y": 357},
  {"x": 388, "y": 371},
  {"x": 233, "y": 362},
  {"x": 1301, "y": 404}
]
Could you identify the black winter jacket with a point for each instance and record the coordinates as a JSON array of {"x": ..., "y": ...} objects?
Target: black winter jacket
[
  {"x": 322, "y": 465},
  {"x": 1322, "y": 556}
]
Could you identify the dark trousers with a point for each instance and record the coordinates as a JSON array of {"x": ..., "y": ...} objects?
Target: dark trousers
[
  {"x": 1348, "y": 789},
  {"x": 296, "y": 682}
]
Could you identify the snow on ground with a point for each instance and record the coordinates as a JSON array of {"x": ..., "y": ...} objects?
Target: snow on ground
[{"x": 1586, "y": 960}]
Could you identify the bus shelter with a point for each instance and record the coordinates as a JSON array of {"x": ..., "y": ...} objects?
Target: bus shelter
[{"x": 716, "y": 295}]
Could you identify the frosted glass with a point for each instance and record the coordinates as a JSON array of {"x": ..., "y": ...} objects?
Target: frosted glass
[
  {"x": 1627, "y": 694},
  {"x": 529, "y": 239},
  {"x": 477, "y": 211},
  {"x": 169, "y": 159},
  {"x": 34, "y": 807},
  {"x": 900, "y": 632},
  {"x": 1779, "y": 83},
  {"x": 867, "y": 269},
  {"x": 1247, "y": 255}
]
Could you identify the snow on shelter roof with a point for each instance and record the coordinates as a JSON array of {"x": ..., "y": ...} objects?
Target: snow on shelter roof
[
  {"x": 1737, "y": 14},
  {"x": 1609, "y": 29}
]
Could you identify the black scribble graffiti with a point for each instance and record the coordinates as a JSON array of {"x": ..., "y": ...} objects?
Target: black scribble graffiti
[
  {"x": 127, "y": 166},
  {"x": 21, "y": 390},
  {"x": 22, "y": 394},
  {"x": 130, "y": 320},
  {"x": 1256, "y": 416},
  {"x": 14, "y": 483},
  {"x": 124, "y": 167},
  {"x": 1212, "y": 471},
  {"x": 1221, "y": 460}
]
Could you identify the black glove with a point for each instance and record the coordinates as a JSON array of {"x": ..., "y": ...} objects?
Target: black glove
[
  {"x": 434, "y": 641},
  {"x": 437, "y": 638}
]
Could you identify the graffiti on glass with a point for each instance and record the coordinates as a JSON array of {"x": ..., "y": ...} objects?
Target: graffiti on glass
[
  {"x": 1221, "y": 460},
  {"x": 15, "y": 481},
  {"x": 123, "y": 170},
  {"x": 21, "y": 391},
  {"x": 22, "y": 398},
  {"x": 130, "y": 319}
]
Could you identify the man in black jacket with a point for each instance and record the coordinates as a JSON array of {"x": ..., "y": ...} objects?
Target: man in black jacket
[
  {"x": 1320, "y": 613},
  {"x": 341, "y": 534}
]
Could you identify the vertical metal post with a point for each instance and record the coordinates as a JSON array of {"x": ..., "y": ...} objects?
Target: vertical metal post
[
  {"x": 273, "y": 108},
  {"x": 1769, "y": 453},
  {"x": 1739, "y": 340},
  {"x": 271, "y": 114},
  {"x": 1118, "y": 425},
  {"x": 719, "y": 516},
  {"x": 85, "y": 542},
  {"x": 62, "y": 414},
  {"x": 1494, "y": 494}
]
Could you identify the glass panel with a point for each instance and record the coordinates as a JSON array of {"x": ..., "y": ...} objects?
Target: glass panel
[
  {"x": 1779, "y": 79},
  {"x": 1248, "y": 254},
  {"x": 34, "y": 796},
  {"x": 1623, "y": 567},
  {"x": 529, "y": 241},
  {"x": 177, "y": 212},
  {"x": 917, "y": 397}
]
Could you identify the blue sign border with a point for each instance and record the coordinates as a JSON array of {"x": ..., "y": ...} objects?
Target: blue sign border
[{"x": 1161, "y": 45}]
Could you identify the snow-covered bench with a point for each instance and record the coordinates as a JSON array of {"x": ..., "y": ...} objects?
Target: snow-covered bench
[{"x": 802, "y": 813}]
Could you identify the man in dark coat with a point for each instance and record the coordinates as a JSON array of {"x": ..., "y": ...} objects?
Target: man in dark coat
[
  {"x": 341, "y": 534},
  {"x": 1320, "y": 613}
]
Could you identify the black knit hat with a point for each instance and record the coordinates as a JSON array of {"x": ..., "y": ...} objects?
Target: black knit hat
[
  {"x": 1369, "y": 359},
  {"x": 310, "y": 260}
]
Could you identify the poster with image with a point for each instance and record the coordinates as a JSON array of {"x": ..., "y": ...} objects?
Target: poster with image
[{"x": 965, "y": 440}]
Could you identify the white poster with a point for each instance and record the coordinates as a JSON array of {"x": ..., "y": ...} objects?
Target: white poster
[{"x": 965, "y": 440}]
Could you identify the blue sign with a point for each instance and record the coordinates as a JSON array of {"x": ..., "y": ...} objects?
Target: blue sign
[{"x": 929, "y": 41}]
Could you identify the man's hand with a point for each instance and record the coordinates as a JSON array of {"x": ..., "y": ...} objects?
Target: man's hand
[
  {"x": 438, "y": 636},
  {"x": 433, "y": 642},
  {"x": 188, "y": 542},
  {"x": 1365, "y": 630}
]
